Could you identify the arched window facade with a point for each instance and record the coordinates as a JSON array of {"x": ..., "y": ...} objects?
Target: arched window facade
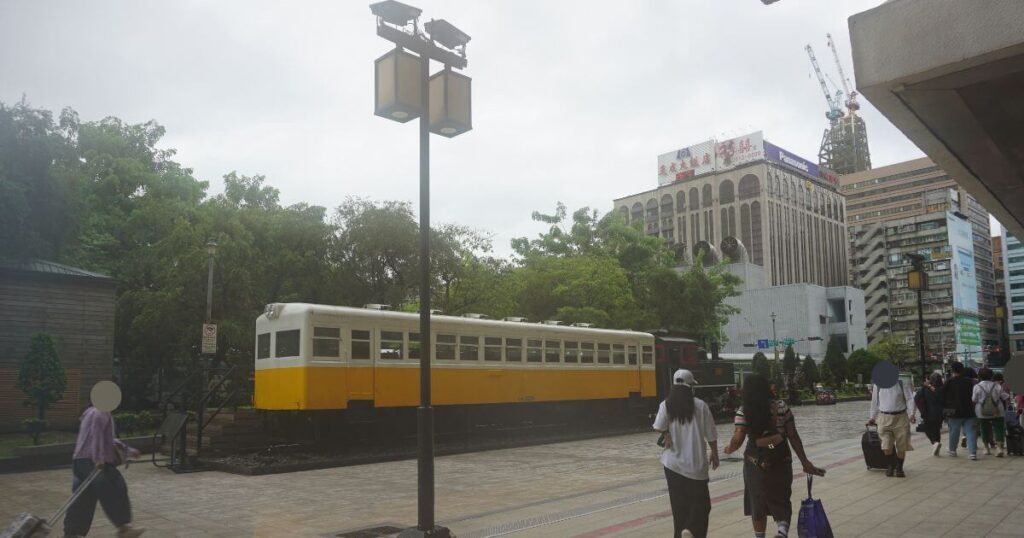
[
  {"x": 625, "y": 213},
  {"x": 666, "y": 205},
  {"x": 750, "y": 187},
  {"x": 726, "y": 193},
  {"x": 680, "y": 202},
  {"x": 652, "y": 210},
  {"x": 638, "y": 212},
  {"x": 694, "y": 199},
  {"x": 706, "y": 196},
  {"x": 756, "y": 244}
]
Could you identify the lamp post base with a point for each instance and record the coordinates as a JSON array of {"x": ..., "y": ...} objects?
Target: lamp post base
[{"x": 416, "y": 532}]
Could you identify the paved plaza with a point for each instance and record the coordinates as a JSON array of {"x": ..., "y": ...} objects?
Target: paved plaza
[{"x": 593, "y": 488}]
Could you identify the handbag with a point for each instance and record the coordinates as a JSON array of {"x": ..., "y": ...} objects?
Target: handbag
[
  {"x": 813, "y": 522},
  {"x": 767, "y": 458}
]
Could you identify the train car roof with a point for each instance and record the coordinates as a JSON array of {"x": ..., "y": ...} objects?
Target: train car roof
[{"x": 288, "y": 310}]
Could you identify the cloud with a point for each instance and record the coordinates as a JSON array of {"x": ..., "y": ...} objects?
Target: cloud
[{"x": 573, "y": 101}]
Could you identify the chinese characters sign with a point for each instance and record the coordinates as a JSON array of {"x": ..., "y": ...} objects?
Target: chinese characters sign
[{"x": 709, "y": 156}]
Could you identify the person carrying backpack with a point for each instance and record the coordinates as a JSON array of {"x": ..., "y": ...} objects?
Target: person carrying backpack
[{"x": 990, "y": 406}]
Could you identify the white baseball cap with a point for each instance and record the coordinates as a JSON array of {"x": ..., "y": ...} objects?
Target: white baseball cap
[{"x": 683, "y": 377}]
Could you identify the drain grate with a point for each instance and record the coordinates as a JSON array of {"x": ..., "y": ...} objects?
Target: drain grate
[{"x": 383, "y": 531}]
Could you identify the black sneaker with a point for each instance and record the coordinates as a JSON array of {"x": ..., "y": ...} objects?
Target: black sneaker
[
  {"x": 900, "y": 473},
  {"x": 890, "y": 471}
]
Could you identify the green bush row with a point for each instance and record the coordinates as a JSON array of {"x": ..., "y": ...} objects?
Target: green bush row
[{"x": 129, "y": 422}]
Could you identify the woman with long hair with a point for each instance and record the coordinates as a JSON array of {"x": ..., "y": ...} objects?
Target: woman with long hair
[
  {"x": 930, "y": 396},
  {"x": 770, "y": 430},
  {"x": 686, "y": 426}
]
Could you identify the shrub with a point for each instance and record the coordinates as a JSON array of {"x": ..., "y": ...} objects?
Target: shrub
[
  {"x": 42, "y": 376},
  {"x": 36, "y": 427},
  {"x": 127, "y": 423}
]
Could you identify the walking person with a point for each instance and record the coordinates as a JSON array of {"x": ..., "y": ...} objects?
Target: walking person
[
  {"x": 931, "y": 411},
  {"x": 770, "y": 430},
  {"x": 990, "y": 406},
  {"x": 96, "y": 447},
  {"x": 958, "y": 395},
  {"x": 689, "y": 434},
  {"x": 893, "y": 410}
]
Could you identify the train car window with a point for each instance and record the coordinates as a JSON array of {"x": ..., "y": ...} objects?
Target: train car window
[
  {"x": 648, "y": 354},
  {"x": 492, "y": 348},
  {"x": 444, "y": 350},
  {"x": 587, "y": 353},
  {"x": 414, "y": 346},
  {"x": 603, "y": 353},
  {"x": 618, "y": 354},
  {"x": 360, "y": 345},
  {"x": 469, "y": 348},
  {"x": 534, "y": 350},
  {"x": 552, "y": 351},
  {"x": 633, "y": 359},
  {"x": 572, "y": 352},
  {"x": 263, "y": 346},
  {"x": 391, "y": 345},
  {"x": 326, "y": 342},
  {"x": 287, "y": 344},
  {"x": 514, "y": 349}
]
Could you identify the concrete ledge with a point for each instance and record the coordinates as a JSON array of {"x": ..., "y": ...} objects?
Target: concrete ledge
[{"x": 27, "y": 458}]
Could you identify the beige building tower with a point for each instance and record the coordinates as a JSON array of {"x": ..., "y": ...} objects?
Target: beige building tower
[
  {"x": 784, "y": 211},
  {"x": 902, "y": 192}
]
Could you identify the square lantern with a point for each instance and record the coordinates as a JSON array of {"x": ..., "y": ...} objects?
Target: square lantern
[
  {"x": 450, "y": 108},
  {"x": 398, "y": 79}
]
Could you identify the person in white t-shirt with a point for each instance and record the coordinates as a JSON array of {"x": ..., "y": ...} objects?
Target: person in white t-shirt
[{"x": 687, "y": 426}]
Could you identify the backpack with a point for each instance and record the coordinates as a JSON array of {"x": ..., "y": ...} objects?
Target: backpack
[{"x": 989, "y": 408}]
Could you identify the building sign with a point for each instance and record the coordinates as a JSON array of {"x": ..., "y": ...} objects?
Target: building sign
[
  {"x": 968, "y": 331},
  {"x": 776, "y": 154},
  {"x": 828, "y": 176},
  {"x": 687, "y": 162},
  {"x": 964, "y": 286},
  {"x": 739, "y": 151}
]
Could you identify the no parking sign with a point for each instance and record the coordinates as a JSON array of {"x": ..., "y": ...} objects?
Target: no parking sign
[{"x": 209, "y": 339}]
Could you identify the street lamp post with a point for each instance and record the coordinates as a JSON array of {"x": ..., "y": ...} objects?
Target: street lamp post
[
  {"x": 211, "y": 251},
  {"x": 917, "y": 279},
  {"x": 404, "y": 90}
]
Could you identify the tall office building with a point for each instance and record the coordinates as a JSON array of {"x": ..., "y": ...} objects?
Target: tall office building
[
  {"x": 884, "y": 198},
  {"x": 1015, "y": 295},
  {"x": 747, "y": 198}
]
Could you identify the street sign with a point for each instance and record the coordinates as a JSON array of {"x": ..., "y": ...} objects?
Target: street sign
[
  {"x": 763, "y": 344},
  {"x": 788, "y": 341},
  {"x": 209, "y": 346}
]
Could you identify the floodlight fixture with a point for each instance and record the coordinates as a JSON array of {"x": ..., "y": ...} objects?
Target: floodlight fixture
[
  {"x": 446, "y": 34},
  {"x": 396, "y": 13}
]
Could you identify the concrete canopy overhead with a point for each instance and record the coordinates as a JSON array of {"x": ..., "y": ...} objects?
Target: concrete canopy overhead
[{"x": 950, "y": 75}]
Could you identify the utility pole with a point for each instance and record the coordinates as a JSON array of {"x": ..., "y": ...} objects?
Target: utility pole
[{"x": 775, "y": 345}]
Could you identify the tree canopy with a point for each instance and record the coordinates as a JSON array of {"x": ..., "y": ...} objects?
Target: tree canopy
[{"x": 106, "y": 196}]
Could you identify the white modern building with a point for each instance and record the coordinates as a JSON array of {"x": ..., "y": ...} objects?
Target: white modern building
[{"x": 807, "y": 314}]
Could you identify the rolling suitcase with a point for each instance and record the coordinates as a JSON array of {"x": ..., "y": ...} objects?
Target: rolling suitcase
[
  {"x": 871, "y": 444},
  {"x": 28, "y": 526},
  {"x": 1014, "y": 439}
]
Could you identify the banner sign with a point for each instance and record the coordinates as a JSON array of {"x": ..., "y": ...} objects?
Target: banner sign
[
  {"x": 968, "y": 331},
  {"x": 776, "y": 154},
  {"x": 964, "y": 285},
  {"x": 739, "y": 151},
  {"x": 209, "y": 346},
  {"x": 687, "y": 162}
]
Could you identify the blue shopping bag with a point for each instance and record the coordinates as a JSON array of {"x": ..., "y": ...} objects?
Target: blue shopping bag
[{"x": 813, "y": 522}]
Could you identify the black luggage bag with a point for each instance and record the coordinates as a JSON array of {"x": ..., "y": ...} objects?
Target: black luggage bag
[
  {"x": 871, "y": 444},
  {"x": 1014, "y": 439},
  {"x": 27, "y": 525}
]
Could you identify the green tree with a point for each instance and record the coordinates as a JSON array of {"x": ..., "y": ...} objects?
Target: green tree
[
  {"x": 759, "y": 365},
  {"x": 860, "y": 362},
  {"x": 893, "y": 349},
  {"x": 42, "y": 376},
  {"x": 809, "y": 370},
  {"x": 836, "y": 361},
  {"x": 825, "y": 375},
  {"x": 790, "y": 361}
]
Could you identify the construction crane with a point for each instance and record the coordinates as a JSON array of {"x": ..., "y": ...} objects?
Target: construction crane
[
  {"x": 834, "y": 112},
  {"x": 851, "y": 103}
]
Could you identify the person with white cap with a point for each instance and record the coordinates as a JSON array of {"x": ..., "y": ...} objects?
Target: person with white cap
[{"x": 686, "y": 425}]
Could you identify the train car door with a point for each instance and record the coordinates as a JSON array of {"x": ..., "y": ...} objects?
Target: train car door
[
  {"x": 362, "y": 357},
  {"x": 633, "y": 362},
  {"x": 672, "y": 353}
]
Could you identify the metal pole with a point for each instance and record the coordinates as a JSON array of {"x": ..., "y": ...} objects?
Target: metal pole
[
  {"x": 209, "y": 289},
  {"x": 920, "y": 334},
  {"x": 425, "y": 413},
  {"x": 775, "y": 341},
  {"x": 202, "y": 362}
]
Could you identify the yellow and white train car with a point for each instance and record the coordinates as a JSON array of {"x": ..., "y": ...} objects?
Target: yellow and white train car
[{"x": 315, "y": 357}]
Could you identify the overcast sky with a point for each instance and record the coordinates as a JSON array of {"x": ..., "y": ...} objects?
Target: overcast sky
[{"x": 572, "y": 101}]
